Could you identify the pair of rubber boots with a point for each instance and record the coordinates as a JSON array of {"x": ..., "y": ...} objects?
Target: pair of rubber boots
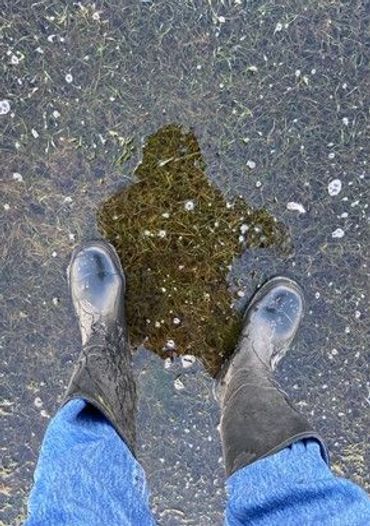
[{"x": 257, "y": 419}]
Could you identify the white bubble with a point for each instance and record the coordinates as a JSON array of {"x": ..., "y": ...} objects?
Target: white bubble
[
  {"x": 189, "y": 205},
  {"x": 296, "y": 207},
  {"x": 187, "y": 360},
  {"x": 338, "y": 233},
  {"x": 334, "y": 187},
  {"x": 38, "y": 402},
  {"x": 170, "y": 345},
  {"x": 178, "y": 385},
  {"x": 167, "y": 363},
  {"x": 69, "y": 78},
  {"x": 17, "y": 177},
  {"x": 251, "y": 164},
  {"x": 4, "y": 107},
  {"x": 278, "y": 27}
]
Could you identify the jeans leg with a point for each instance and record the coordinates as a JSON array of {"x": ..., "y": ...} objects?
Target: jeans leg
[
  {"x": 85, "y": 475},
  {"x": 294, "y": 487}
]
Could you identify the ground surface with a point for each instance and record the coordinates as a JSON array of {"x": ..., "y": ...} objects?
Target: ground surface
[{"x": 276, "y": 98}]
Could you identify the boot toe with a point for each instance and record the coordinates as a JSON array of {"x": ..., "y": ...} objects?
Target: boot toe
[
  {"x": 280, "y": 298},
  {"x": 284, "y": 308},
  {"x": 94, "y": 260},
  {"x": 273, "y": 317},
  {"x": 97, "y": 282}
]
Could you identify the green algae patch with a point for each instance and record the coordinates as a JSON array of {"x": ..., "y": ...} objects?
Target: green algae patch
[{"x": 177, "y": 236}]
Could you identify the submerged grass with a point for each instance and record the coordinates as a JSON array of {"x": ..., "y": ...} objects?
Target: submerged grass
[{"x": 177, "y": 236}]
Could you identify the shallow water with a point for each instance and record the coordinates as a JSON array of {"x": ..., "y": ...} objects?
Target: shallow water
[
  {"x": 276, "y": 99},
  {"x": 177, "y": 237}
]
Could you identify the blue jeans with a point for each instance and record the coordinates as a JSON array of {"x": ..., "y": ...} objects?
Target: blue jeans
[{"x": 86, "y": 476}]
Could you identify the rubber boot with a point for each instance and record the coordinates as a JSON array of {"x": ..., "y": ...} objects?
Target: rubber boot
[
  {"x": 103, "y": 374},
  {"x": 257, "y": 418}
]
